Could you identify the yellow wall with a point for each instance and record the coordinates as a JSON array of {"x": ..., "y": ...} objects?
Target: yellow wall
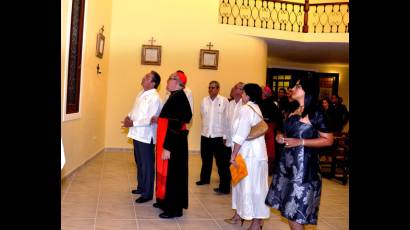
[
  {"x": 182, "y": 28},
  {"x": 84, "y": 137}
]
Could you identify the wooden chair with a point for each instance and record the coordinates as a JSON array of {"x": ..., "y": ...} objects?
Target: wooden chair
[{"x": 340, "y": 158}]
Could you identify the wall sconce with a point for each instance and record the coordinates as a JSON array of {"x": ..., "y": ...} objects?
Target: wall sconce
[{"x": 98, "y": 69}]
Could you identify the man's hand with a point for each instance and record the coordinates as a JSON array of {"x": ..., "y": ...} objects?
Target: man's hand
[
  {"x": 166, "y": 154},
  {"x": 127, "y": 122},
  {"x": 154, "y": 119}
]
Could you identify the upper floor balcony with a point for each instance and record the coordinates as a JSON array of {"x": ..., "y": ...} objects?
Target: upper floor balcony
[{"x": 291, "y": 16}]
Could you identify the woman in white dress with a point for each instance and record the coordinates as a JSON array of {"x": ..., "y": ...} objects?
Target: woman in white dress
[{"x": 248, "y": 196}]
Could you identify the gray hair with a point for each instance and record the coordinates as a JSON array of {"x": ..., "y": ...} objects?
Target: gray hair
[{"x": 215, "y": 82}]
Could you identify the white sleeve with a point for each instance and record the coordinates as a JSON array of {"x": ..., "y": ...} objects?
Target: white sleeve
[
  {"x": 227, "y": 124},
  {"x": 225, "y": 119},
  {"x": 244, "y": 126},
  {"x": 188, "y": 94},
  {"x": 149, "y": 110},
  {"x": 202, "y": 107}
]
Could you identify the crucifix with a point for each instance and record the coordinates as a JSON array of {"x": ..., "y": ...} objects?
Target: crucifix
[
  {"x": 152, "y": 40},
  {"x": 209, "y": 45}
]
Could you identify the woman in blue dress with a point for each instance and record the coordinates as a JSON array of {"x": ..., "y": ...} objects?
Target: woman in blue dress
[{"x": 296, "y": 183}]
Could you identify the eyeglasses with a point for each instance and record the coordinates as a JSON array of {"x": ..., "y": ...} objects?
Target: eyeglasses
[
  {"x": 297, "y": 86},
  {"x": 212, "y": 87}
]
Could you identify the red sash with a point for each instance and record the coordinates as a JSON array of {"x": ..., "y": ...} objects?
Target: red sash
[{"x": 162, "y": 165}]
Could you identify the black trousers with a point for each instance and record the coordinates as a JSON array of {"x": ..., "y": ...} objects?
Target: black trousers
[
  {"x": 145, "y": 160},
  {"x": 214, "y": 147}
]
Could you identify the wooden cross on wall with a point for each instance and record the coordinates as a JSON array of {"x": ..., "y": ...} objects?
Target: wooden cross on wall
[
  {"x": 209, "y": 45},
  {"x": 152, "y": 40}
]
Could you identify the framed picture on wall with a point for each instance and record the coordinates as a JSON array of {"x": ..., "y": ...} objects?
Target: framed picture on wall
[
  {"x": 208, "y": 59},
  {"x": 151, "y": 55}
]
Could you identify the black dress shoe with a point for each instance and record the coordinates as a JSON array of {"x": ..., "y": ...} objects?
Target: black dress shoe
[
  {"x": 168, "y": 215},
  {"x": 201, "y": 183},
  {"x": 142, "y": 200},
  {"x": 136, "y": 191},
  {"x": 157, "y": 205},
  {"x": 219, "y": 191}
]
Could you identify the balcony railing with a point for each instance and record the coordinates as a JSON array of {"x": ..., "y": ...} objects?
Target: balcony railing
[{"x": 286, "y": 16}]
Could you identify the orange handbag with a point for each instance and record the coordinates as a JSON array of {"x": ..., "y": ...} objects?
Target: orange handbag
[{"x": 238, "y": 173}]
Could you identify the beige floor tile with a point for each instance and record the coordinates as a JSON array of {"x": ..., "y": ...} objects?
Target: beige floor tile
[
  {"x": 115, "y": 198},
  {"x": 219, "y": 212},
  {"x": 84, "y": 187},
  {"x": 146, "y": 212},
  {"x": 90, "y": 172},
  {"x": 106, "y": 182},
  {"x": 170, "y": 224},
  {"x": 121, "y": 181},
  {"x": 330, "y": 212},
  {"x": 196, "y": 211},
  {"x": 113, "y": 224},
  {"x": 337, "y": 223},
  {"x": 116, "y": 188},
  {"x": 88, "y": 179},
  {"x": 198, "y": 224},
  {"x": 275, "y": 215},
  {"x": 77, "y": 224},
  {"x": 216, "y": 200},
  {"x": 114, "y": 211},
  {"x": 65, "y": 184},
  {"x": 78, "y": 210},
  {"x": 273, "y": 225},
  {"x": 321, "y": 225},
  {"x": 227, "y": 226},
  {"x": 80, "y": 198}
]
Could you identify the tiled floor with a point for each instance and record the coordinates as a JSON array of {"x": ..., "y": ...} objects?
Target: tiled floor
[{"x": 98, "y": 197}]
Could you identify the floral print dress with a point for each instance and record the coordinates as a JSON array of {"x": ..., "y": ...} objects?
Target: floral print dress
[{"x": 296, "y": 184}]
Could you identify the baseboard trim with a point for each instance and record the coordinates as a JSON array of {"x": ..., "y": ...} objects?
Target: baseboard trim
[
  {"x": 193, "y": 151},
  {"x": 84, "y": 162},
  {"x": 118, "y": 149},
  {"x": 110, "y": 149}
]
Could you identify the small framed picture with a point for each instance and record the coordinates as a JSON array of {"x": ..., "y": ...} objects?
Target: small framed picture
[
  {"x": 208, "y": 59},
  {"x": 151, "y": 55},
  {"x": 100, "y": 45}
]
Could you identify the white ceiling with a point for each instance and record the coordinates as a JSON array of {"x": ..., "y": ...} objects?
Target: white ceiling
[{"x": 309, "y": 52}]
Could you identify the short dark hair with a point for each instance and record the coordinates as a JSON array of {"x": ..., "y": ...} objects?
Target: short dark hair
[
  {"x": 337, "y": 96},
  {"x": 254, "y": 91},
  {"x": 325, "y": 99},
  {"x": 155, "y": 78},
  {"x": 216, "y": 83}
]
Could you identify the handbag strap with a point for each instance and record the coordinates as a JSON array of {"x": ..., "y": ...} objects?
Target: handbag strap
[{"x": 256, "y": 112}]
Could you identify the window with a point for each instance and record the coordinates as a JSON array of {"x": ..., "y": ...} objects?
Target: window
[
  {"x": 328, "y": 83},
  {"x": 74, "y": 57},
  {"x": 280, "y": 81}
]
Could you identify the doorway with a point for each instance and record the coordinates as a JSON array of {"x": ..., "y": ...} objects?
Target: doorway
[{"x": 277, "y": 78}]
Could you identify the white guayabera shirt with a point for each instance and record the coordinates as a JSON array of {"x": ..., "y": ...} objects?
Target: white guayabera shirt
[{"x": 213, "y": 114}]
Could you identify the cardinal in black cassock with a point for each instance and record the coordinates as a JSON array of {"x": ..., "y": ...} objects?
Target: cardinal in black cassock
[{"x": 172, "y": 138}]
